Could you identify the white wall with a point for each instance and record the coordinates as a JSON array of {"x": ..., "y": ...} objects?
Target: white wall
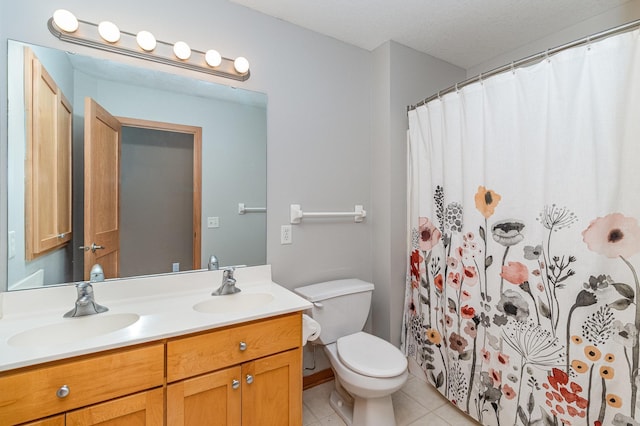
[
  {"x": 627, "y": 12},
  {"x": 403, "y": 77},
  {"x": 318, "y": 116}
]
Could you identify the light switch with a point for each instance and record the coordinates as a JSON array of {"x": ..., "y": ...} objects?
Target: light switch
[{"x": 213, "y": 222}]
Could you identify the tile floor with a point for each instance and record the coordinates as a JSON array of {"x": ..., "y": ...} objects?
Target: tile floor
[{"x": 416, "y": 404}]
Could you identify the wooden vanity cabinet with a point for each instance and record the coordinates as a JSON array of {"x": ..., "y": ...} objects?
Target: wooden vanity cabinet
[
  {"x": 246, "y": 374},
  {"x": 62, "y": 387},
  {"x": 250, "y": 374}
]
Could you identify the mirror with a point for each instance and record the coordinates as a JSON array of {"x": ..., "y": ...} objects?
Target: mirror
[{"x": 233, "y": 163}]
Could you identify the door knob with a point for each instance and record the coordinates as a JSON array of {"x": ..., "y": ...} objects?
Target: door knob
[
  {"x": 243, "y": 346},
  {"x": 249, "y": 379},
  {"x": 93, "y": 247},
  {"x": 235, "y": 384}
]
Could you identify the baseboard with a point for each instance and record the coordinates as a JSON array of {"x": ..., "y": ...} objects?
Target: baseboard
[{"x": 316, "y": 379}]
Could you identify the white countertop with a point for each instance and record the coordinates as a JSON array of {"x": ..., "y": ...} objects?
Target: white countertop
[{"x": 163, "y": 302}]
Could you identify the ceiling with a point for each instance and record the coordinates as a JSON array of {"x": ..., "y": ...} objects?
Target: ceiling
[{"x": 463, "y": 32}]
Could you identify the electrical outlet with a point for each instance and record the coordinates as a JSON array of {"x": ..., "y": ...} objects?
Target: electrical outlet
[
  {"x": 175, "y": 267},
  {"x": 285, "y": 234}
]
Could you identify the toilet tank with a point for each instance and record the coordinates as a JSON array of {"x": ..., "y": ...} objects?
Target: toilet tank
[{"x": 341, "y": 307}]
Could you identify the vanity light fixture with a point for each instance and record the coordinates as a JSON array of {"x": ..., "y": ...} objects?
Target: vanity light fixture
[
  {"x": 182, "y": 50},
  {"x": 143, "y": 45},
  {"x": 109, "y": 31},
  {"x": 146, "y": 41}
]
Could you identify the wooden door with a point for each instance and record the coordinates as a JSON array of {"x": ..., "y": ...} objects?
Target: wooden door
[
  {"x": 48, "y": 161},
  {"x": 102, "y": 139},
  {"x": 272, "y": 390},
  {"x": 144, "y": 409},
  {"x": 209, "y": 400}
]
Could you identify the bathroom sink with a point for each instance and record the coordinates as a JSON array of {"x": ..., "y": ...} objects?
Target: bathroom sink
[
  {"x": 73, "y": 330},
  {"x": 238, "y": 302}
]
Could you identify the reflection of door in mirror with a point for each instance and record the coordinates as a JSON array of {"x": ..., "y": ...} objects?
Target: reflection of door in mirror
[
  {"x": 48, "y": 161},
  {"x": 102, "y": 140},
  {"x": 142, "y": 195}
]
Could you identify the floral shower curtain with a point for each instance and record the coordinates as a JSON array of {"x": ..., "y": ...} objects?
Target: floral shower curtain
[{"x": 523, "y": 295}]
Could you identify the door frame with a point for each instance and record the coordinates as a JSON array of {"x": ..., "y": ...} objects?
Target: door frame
[{"x": 196, "y": 132}]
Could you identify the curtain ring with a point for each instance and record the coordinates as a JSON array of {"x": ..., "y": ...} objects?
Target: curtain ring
[
  {"x": 439, "y": 98},
  {"x": 457, "y": 90},
  {"x": 546, "y": 55},
  {"x": 480, "y": 79},
  {"x": 513, "y": 69},
  {"x": 589, "y": 43}
]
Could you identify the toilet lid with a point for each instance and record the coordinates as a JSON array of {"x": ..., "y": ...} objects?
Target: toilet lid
[{"x": 370, "y": 356}]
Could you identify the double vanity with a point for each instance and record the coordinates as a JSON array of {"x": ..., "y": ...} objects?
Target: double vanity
[{"x": 166, "y": 352}]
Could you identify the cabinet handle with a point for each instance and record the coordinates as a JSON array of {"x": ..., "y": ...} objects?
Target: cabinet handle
[
  {"x": 243, "y": 346},
  {"x": 235, "y": 384},
  {"x": 63, "y": 391},
  {"x": 249, "y": 379}
]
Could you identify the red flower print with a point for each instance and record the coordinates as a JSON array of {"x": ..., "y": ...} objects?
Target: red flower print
[
  {"x": 496, "y": 375},
  {"x": 566, "y": 398},
  {"x": 465, "y": 295},
  {"x": 429, "y": 234},
  {"x": 416, "y": 260},
  {"x": 515, "y": 272},
  {"x": 438, "y": 281},
  {"x": 613, "y": 235},
  {"x": 467, "y": 312}
]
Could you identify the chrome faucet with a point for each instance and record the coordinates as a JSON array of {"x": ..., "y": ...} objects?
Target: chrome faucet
[
  {"x": 213, "y": 264},
  {"x": 85, "y": 303},
  {"x": 228, "y": 285}
]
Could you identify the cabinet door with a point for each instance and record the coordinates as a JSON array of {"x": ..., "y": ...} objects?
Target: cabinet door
[
  {"x": 144, "y": 408},
  {"x": 272, "y": 390},
  {"x": 51, "y": 421},
  {"x": 209, "y": 400}
]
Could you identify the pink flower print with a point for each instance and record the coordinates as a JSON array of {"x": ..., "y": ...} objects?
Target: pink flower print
[
  {"x": 508, "y": 391},
  {"x": 470, "y": 275},
  {"x": 515, "y": 272},
  {"x": 486, "y": 355},
  {"x": 613, "y": 235},
  {"x": 452, "y": 262},
  {"x": 503, "y": 359},
  {"x": 429, "y": 234},
  {"x": 471, "y": 329},
  {"x": 453, "y": 280},
  {"x": 496, "y": 375},
  {"x": 465, "y": 295}
]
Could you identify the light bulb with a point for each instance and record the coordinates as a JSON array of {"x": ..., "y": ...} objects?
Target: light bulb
[
  {"x": 241, "y": 64},
  {"x": 65, "y": 20},
  {"x": 213, "y": 58},
  {"x": 109, "y": 31},
  {"x": 182, "y": 50},
  {"x": 146, "y": 41}
]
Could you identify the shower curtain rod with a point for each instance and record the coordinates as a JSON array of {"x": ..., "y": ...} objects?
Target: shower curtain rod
[{"x": 530, "y": 59}]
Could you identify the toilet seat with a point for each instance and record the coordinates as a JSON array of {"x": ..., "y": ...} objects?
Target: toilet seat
[{"x": 370, "y": 355}]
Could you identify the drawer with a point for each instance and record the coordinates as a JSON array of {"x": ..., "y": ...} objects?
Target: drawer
[
  {"x": 190, "y": 356},
  {"x": 31, "y": 394}
]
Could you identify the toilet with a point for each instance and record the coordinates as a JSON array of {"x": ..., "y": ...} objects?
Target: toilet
[{"x": 367, "y": 369}]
